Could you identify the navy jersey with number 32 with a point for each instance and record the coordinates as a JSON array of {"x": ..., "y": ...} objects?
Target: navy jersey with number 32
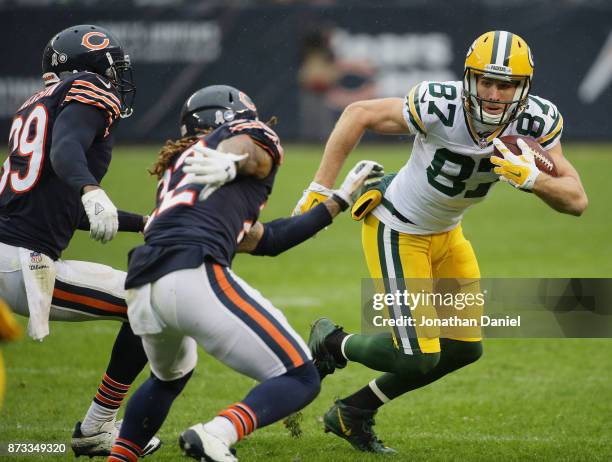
[
  {"x": 38, "y": 210},
  {"x": 183, "y": 231}
]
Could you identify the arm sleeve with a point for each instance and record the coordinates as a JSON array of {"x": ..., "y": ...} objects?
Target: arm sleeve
[
  {"x": 131, "y": 222},
  {"x": 73, "y": 133},
  {"x": 282, "y": 234}
]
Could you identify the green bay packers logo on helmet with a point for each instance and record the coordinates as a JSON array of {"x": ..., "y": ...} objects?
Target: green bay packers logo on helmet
[{"x": 503, "y": 56}]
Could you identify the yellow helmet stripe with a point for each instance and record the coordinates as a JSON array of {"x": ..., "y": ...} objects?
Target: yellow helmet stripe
[
  {"x": 480, "y": 52},
  {"x": 414, "y": 109}
]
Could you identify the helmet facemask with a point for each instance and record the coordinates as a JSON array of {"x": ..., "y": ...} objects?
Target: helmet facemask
[
  {"x": 121, "y": 74},
  {"x": 474, "y": 103}
]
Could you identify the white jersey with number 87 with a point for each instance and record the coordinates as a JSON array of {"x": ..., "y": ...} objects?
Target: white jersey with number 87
[{"x": 449, "y": 168}]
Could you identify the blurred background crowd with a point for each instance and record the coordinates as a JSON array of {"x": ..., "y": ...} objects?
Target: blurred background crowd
[{"x": 305, "y": 60}]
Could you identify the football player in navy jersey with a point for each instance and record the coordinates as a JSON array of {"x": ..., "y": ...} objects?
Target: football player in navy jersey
[
  {"x": 59, "y": 150},
  {"x": 181, "y": 290}
]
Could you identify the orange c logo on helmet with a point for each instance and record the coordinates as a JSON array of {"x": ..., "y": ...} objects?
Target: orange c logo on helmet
[
  {"x": 86, "y": 42},
  {"x": 246, "y": 101}
]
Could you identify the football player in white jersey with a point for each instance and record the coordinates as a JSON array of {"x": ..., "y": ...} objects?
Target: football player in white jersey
[{"x": 413, "y": 228}]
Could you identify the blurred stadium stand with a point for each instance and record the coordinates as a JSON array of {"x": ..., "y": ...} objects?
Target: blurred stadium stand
[
  {"x": 305, "y": 60},
  {"x": 250, "y": 3}
]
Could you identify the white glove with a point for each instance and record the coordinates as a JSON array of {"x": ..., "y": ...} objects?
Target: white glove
[
  {"x": 211, "y": 168},
  {"x": 314, "y": 194},
  {"x": 102, "y": 215},
  {"x": 520, "y": 171},
  {"x": 363, "y": 175}
]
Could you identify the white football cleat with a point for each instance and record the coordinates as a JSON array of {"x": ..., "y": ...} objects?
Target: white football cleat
[
  {"x": 198, "y": 444},
  {"x": 98, "y": 444},
  {"x": 101, "y": 443}
]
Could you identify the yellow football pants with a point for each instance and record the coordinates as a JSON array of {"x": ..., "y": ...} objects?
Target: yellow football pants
[
  {"x": 9, "y": 330},
  {"x": 2, "y": 380},
  {"x": 417, "y": 261}
]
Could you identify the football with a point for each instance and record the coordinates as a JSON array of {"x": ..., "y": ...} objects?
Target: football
[{"x": 543, "y": 160}]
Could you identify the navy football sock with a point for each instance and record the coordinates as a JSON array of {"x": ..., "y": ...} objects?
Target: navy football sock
[
  {"x": 128, "y": 358},
  {"x": 278, "y": 397},
  {"x": 148, "y": 407}
]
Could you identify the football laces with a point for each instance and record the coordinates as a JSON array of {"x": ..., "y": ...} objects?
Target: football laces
[{"x": 547, "y": 163}]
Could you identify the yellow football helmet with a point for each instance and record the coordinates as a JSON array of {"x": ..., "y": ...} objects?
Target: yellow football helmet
[{"x": 498, "y": 55}]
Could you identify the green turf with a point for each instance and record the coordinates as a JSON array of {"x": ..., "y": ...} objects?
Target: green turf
[{"x": 525, "y": 400}]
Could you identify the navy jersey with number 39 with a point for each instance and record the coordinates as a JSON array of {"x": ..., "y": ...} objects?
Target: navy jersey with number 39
[
  {"x": 38, "y": 210},
  {"x": 183, "y": 231}
]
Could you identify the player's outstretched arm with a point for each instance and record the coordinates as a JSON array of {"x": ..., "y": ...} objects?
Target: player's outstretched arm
[
  {"x": 280, "y": 235},
  {"x": 383, "y": 116},
  {"x": 564, "y": 193},
  {"x": 128, "y": 222},
  {"x": 277, "y": 236}
]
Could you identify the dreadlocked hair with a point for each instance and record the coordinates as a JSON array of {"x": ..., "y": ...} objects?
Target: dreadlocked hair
[
  {"x": 272, "y": 121},
  {"x": 168, "y": 152}
]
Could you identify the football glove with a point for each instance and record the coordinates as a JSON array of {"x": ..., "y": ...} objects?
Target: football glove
[
  {"x": 364, "y": 175},
  {"x": 102, "y": 215},
  {"x": 313, "y": 195},
  {"x": 520, "y": 171},
  {"x": 211, "y": 168},
  {"x": 316, "y": 193}
]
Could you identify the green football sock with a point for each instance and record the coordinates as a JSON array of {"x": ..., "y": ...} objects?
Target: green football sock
[
  {"x": 378, "y": 352},
  {"x": 455, "y": 355}
]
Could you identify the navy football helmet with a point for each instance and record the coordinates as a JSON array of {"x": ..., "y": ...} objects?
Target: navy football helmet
[
  {"x": 90, "y": 48},
  {"x": 213, "y": 106}
]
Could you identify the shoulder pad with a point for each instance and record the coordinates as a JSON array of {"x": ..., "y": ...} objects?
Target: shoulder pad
[
  {"x": 542, "y": 120},
  {"x": 94, "y": 90},
  {"x": 261, "y": 134},
  {"x": 431, "y": 103}
]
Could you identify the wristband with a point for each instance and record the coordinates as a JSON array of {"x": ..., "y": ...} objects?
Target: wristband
[{"x": 341, "y": 202}]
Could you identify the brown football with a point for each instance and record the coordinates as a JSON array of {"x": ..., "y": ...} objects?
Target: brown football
[{"x": 542, "y": 159}]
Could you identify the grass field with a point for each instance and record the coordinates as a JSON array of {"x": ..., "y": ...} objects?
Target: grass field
[{"x": 544, "y": 399}]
